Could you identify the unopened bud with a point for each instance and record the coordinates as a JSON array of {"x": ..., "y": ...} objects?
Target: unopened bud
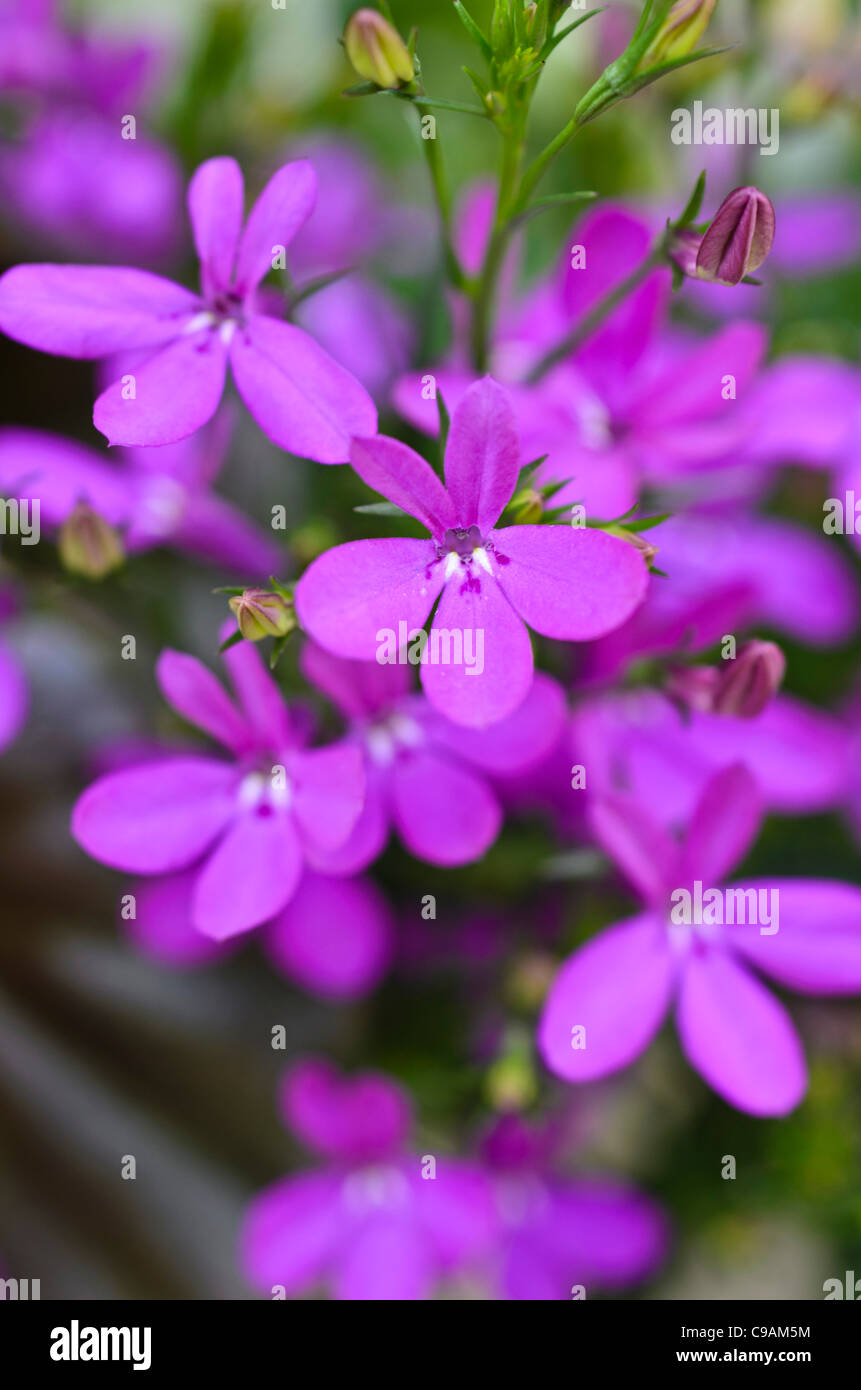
[
  {"x": 750, "y": 682},
  {"x": 527, "y": 507},
  {"x": 89, "y": 545},
  {"x": 738, "y": 239},
  {"x": 376, "y": 50},
  {"x": 680, "y": 32},
  {"x": 741, "y": 687},
  {"x": 646, "y": 548},
  {"x": 261, "y": 613}
]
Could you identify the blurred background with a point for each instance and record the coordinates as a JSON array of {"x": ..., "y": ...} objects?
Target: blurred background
[{"x": 105, "y": 1052}]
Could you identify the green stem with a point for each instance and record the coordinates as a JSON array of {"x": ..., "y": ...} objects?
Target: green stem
[
  {"x": 596, "y": 316},
  {"x": 433, "y": 155},
  {"x": 485, "y": 288},
  {"x": 537, "y": 168}
]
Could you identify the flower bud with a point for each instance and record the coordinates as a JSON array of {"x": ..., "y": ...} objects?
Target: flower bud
[
  {"x": 741, "y": 687},
  {"x": 738, "y": 239},
  {"x": 87, "y": 544},
  {"x": 376, "y": 50},
  {"x": 680, "y": 32},
  {"x": 527, "y": 507},
  {"x": 750, "y": 682},
  {"x": 261, "y": 613}
]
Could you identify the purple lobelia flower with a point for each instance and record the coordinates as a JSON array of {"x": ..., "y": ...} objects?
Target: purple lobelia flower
[
  {"x": 154, "y": 497},
  {"x": 302, "y": 400},
  {"x": 636, "y": 402},
  {"x": 561, "y": 1234},
  {"x": 693, "y": 945},
  {"x": 425, "y": 776},
  {"x": 371, "y": 597},
  {"x": 247, "y": 826},
  {"x": 374, "y": 1222},
  {"x": 334, "y": 937}
]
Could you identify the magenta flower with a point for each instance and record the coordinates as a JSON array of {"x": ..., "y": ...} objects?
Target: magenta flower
[
  {"x": 246, "y": 826},
  {"x": 373, "y": 1222},
  {"x": 618, "y": 988},
  {"x": 560, "y": 1232},
  {"x": 334, "y": 937},
  {"x": 154, "y": 497},
  {"x": 638, "y": 402},
  {"x": 567, "y": 583},
  {"x": 638, "y": 742},
  {"x": 301, "y": 399},
  {"x": 427, "y": 778}
]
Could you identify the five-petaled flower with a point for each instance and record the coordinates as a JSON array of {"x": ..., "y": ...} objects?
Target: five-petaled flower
[
  {"x": 303, "y": 400},
  {"x": 565, "y": 582},
  {"x": 248, "y": 825},
  {"x": 618, "y": 987}
]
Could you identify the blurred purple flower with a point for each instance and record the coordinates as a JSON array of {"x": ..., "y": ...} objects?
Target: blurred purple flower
[
  {"x": 334, "y": 937},
  {"x": 619, "y": 987},
  {"x": 566, "y": 583},
  {"x": 557, "y": 1231},
  {"x": 247, "y": 826},
  {"x": 157, "y": 496},
  {"x": 425, "y": 776},
  {"x": 69, "y": 175},
  {"x": 367, "y": 1224},
  {"x": 302, "y": 400},
  {"x": 635, "y": 403}
]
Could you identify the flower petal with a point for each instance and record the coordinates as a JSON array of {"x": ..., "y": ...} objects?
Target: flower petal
[
  {"x": 637, "y": 843},
  {"x": 334, "y": 937},
  {"x": 617, "y": 988},
  {"x": 482, "y": 457},
  {"x": 512, "y": 744},
  {"x": 258, "y": 692},
  {"x": 162, "y": 925},
  {"x": 483, "y": 625},
  {"x": 291, "y": 1231},
  {"x": 175, "y": 392},
  {"x": 570, "y": 582},
  {"x": 817, "y": 947},
  {"x": 155, "y": 818},
  {"x": 249, "y": 876},
  {"x": 359, "y": 689},
  {"x": 405, "y": 478},
  {"x": 444, "y": 813},
  {"x": 300, "y": 397},
  {"x": 350, "y": 596},
  {"x": 216, "y": 198},
  {"x": 738, "y": 1037},
  {"x": 328, "y": 793},
  {"x": 60, "y": 472},
  {"x": 194, "y": 692},
  {"x": 285, "y": 203},
  {"x": 724, "y": 824},
  {"x": 91, "y": 310},
  {"x": 386, "y": 1259}
]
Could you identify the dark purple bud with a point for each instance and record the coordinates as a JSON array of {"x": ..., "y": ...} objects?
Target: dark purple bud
[{"x": 738, "y": 239}]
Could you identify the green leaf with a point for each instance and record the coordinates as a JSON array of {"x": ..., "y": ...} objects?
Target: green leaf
[
  {"x": 652, "y": 74},
  {"x": 553, "y": 200},
  {"x": 556, "y": 39},
  {"x": 233, "y": 590},
  {"x": 438, "y": 104},
  {"x": 473, "y": 30},
  {"x": 282, "y": 589},
  {"x": 527, "y": 470},
  {"x": 320, "y": 282},
  {"x": 750, "y": 280},
  {"x": 694, "y": 203},
  {"x": 444, "y": 424},
  {"x": 646, "y": 523},
  {"x": 231, "y": 641},
  {"x": 277, "y": 650},
  {"x": 381, "y": 509},
  {"x": 477, "y": 83},
  {"x": 363, "y": 89}
]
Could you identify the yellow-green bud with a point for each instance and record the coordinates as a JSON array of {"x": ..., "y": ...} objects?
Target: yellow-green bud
[
  {"x": 680, "y": 32},
  {"x": 376, "y": 50},
  {"x": 527, "y": 507},
  {"x": 260, "y": 613},
  {"x": 89, "y": 545}
]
